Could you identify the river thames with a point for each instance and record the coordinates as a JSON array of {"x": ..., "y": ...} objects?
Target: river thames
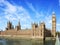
[{"x": 26, "y": 42}]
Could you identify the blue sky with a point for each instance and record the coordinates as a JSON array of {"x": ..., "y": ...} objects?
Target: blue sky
[{"x": 29, "y": 11}]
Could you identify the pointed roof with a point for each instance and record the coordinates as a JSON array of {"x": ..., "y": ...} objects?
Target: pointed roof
[
  {"x": 8, "y": 22},
  {"x": 19, "y": 22},
  {"x": 53, "y": 14}
]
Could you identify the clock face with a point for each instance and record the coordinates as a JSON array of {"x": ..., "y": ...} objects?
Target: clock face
[{"x": 53, "y": 19}]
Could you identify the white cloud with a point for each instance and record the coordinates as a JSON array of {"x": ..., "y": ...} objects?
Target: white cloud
[
  {"x": 38, "y": 15},
  {"x": 1, "y": 1},
  {"x": 48, "y": 21},
  {"x": 10, "y": 17},
  {"x": 14, "y": 13},
  {"x": 0, "y": 20},
  {"x": 31, "y": 6},
  {"x": 58, "y": 24}
]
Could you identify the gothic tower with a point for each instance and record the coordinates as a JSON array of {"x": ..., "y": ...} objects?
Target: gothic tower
[
  {"x": 53, "y": 25},
  {"x": 42, "y": 30},
  {"x": 9, "y": 25},
  {"x": 18, "y": 27},
  {"x": 33, "y": 29}
]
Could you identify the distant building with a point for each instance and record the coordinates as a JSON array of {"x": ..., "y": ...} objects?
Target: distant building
[{"x": 38, "y": 31}]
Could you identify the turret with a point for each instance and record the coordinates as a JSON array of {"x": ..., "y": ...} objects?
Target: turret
[
  {"x": 18, "y": 27},
  {"x": 9, "y": 25}
]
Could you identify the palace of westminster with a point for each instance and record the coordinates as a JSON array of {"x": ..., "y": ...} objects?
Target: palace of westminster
[{"x": 36, "y": 31}]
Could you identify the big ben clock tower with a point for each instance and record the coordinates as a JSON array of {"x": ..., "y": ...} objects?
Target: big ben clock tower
[{"x": 53, "y": 24}]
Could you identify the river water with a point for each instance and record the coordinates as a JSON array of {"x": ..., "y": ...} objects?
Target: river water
[{"x": 25, "y": 42}]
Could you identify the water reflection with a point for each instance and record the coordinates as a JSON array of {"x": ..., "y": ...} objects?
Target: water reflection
[
  {"x": 2, "y": 42},
  {"x": 25, "y": 42}
]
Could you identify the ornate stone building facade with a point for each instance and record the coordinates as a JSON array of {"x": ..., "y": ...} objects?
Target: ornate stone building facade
[{"x": 38, "y": 31}]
